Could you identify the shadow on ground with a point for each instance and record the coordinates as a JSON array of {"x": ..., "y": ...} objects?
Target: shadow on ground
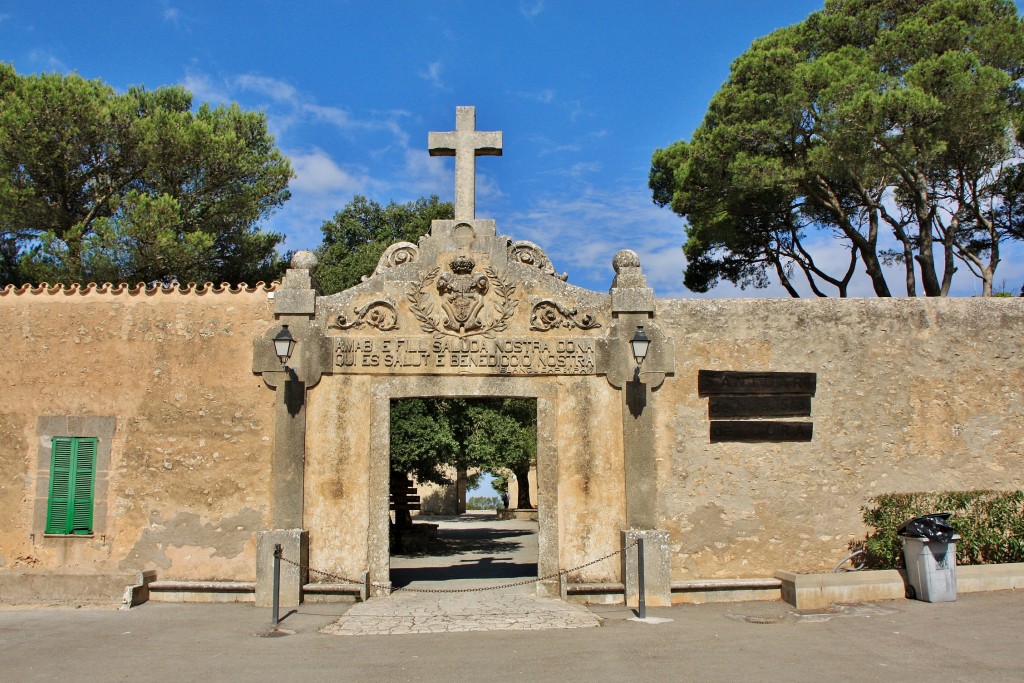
[
  {"x": 459, "y": 541},
  {"x": 467, "y": 549},
  {"x": 484, "y": 568}
]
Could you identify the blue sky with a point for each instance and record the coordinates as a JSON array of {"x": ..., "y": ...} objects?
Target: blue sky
[{"x": 584, "y": 92}]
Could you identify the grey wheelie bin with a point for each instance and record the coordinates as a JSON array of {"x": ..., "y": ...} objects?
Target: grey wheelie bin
[{"x": 929, "y": 548}]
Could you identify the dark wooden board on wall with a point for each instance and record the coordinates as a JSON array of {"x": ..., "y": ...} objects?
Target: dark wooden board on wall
[
  {"x": 724, "y": 382},
  {"x": 760, "y": 431},
  {"x": 778, "y": 405}
]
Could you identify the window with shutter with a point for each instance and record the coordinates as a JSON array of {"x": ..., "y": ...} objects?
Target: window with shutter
[{"x": 72, "y": 481}]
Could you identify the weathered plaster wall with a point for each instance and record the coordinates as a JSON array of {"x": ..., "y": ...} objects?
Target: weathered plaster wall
[
  {"x": 188, "y": 479},
  {"x": 911, "y": 395}
]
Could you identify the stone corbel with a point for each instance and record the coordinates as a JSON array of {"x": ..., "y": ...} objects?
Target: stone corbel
[
  {"x": 633, "y": 305},
  {"x": 311, "y": 359},
  {"x": 615, "y": 355},
  {"x": 295, "y": 306}
]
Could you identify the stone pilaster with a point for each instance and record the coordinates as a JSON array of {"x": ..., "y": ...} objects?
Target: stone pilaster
[
  {"x": 633, "y": 306},
  {"x": 294, "y": 306}
]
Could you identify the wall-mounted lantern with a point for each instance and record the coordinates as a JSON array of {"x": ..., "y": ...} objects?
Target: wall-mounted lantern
[
  {"x": 640, "y": 344},
  {"x": 284, "y": 344}
]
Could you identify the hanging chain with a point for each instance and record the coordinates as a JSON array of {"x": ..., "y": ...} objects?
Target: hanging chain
[{"x": 338, "y": 577}]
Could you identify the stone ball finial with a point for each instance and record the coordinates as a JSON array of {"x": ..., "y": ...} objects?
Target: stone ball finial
[
  {"x": 627, "y": 258},
  {"x": 304, "y": 260}
]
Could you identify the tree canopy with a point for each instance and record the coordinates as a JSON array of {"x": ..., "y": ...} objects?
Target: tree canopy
[
  {"x": 889, "y": 127},
  {"x": 356, "y": 236},
  {"x": 496, "y": 435},
  {"x": 100, "y": 186}
]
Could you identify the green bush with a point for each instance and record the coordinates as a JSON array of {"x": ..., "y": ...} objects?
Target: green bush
[
  {"x": 990, "y": 525},
  {"x": 483, "y": 503}
]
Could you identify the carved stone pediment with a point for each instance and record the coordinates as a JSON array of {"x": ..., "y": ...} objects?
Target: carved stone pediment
[{"x": 466, "y": 300}]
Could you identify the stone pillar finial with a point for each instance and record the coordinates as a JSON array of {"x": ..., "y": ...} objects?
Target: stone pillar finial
[
  {"x": 305, "y": 260},
  {"x": 298, "y": 290},
  {"x": 630, "y": 293}
]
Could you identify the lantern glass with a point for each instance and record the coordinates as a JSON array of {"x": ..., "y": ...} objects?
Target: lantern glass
[
  {"x": 641, "y": 343},
  {"x": 284, "y": 344}
]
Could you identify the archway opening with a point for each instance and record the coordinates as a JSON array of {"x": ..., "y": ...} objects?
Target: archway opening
[{"x": 440, "y": 450}]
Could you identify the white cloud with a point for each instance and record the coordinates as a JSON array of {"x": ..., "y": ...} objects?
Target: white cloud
[
  {"x": 582, "y": 234},
  {"x": 426, "y": 175},
  {"x": 172, "y": 14},
  {"x": 277, "y": 90},
  {"x": 531, "y": 9},
  {"x": 46, "y": 61},
  {"x": 204, "y": 89},
  {"x": 317, "y": 173},
  {"x": 546, "y": 96},
  {"x": 432, "y": 75},
  {"x": 287, "y": 106}
]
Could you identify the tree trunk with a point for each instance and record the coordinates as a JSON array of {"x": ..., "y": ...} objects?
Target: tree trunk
[
  {"x": 523, "y": 483},
  {"x": 925, "y": 254}
]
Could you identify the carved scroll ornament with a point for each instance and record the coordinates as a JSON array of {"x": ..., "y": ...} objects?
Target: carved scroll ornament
[
  {"x": 548, "y": 315},
  {"x": 530, "y": 254},
  {"x": 379, "y": 314},
  {"x": 398, "y": 254}
]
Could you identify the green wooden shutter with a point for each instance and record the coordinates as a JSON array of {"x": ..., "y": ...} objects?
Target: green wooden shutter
[
  {"x": 72, "y": 483},
  {"x": 82, "y": 499},
  {"x": 60, "y": 485}
]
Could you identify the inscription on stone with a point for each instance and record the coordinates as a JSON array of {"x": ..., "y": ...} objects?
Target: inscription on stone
[
  {"x": 716, "y": 382},
  {"x": 760, "y": 431},
  {"x": 474, "y": 355},
  {"x": 779, "y": 405}
]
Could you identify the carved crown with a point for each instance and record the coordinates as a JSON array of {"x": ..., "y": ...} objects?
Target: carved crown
[{"x": 462, "y": 265}]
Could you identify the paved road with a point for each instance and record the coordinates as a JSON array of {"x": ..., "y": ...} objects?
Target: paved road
[
  {"x": 978, "y": 638},
  {"x": 475, "y": 550}
]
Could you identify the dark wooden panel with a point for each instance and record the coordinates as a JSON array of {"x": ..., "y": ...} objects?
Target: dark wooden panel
[
  {"x": 718, "y": 383},
  {"x": 778, "y": 405},
  {"x": 760, "y": 431}
]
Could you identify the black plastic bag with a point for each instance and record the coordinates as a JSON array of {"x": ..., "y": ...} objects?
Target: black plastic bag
[{"x": 935, "y": 527}]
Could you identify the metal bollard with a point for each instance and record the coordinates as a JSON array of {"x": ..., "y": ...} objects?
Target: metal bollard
[
  {"x": 277, "y": 585},
  {"x": 642, "y": 612}
]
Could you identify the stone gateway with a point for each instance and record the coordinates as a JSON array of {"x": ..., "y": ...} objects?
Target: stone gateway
[{"x": 746, "y": 442}]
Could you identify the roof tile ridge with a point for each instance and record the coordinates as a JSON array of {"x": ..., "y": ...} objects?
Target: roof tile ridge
[{"x": 124, "y": 288}]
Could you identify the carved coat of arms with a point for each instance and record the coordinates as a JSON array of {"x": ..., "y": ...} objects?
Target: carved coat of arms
[
  {"x": 463, "y": 292},
  {"x": 464, "y": 296}
]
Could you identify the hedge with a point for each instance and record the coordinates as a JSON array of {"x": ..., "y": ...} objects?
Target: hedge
[{"x": 990, "y": 525}]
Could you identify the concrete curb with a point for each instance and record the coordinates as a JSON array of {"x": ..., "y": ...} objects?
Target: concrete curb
[{"x": 819, "y": 591}]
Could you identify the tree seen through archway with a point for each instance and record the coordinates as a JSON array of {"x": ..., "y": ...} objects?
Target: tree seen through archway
[{"x": 432, "y": 437}]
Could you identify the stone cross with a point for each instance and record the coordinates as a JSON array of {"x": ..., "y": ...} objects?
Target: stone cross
[{"x": 465, "y": 143}]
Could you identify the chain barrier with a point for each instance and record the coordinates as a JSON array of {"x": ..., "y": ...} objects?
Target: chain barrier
[
  {"x": 406, "y": 589},
  {"x": 336, "y": 577}
]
